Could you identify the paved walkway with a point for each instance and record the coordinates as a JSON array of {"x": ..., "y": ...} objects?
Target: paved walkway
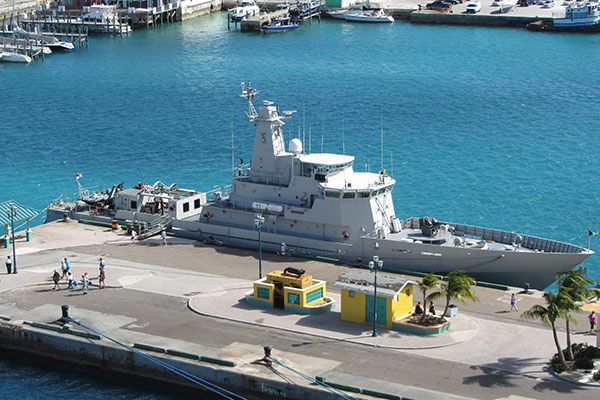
[{"x": 483, "y": 335}]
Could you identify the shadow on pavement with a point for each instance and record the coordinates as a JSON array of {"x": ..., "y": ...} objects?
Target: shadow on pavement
[{"x": 490, "y": 378}]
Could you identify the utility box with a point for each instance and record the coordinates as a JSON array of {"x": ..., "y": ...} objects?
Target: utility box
[{"x": 452, "y": 311}]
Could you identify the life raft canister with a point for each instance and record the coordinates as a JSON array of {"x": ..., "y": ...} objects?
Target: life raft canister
[{"x": 345, "y": 235}]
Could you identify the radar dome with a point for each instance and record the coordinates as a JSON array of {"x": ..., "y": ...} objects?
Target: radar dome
[{"x": 295, "y": 146}]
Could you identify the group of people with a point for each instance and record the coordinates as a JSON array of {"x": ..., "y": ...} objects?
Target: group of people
[
  {"x": 65, "y": 267},
  {"x": 419, "y": 308}
]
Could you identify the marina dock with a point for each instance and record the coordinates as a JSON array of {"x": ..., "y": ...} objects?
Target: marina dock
[{"x": 162, "y": 301}]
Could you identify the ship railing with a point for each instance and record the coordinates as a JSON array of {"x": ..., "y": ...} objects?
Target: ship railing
[
  {"x": 512, "y": 238},
  {"x": 267, "y": 179},
  {"x": 218, "y": 193}
]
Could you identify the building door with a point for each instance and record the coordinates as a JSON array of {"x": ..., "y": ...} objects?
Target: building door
[
  {"x": 278, "y": 296},
  {"x": 381, "y": 310}
]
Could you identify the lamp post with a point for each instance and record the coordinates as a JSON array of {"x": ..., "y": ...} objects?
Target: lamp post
[
  {"x": 375, "y": 265},
  {"x": 258, "y": 222},
  {"x": 11, "y": 212}
]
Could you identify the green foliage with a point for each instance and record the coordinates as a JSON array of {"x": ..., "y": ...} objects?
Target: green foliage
[
  {"x": 582, "y": 350},
  {"x": 557, "y": 364},
  {"x": 583, "y": 363}
]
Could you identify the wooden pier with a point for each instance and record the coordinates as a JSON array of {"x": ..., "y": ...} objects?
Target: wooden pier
[{"x": 255, "y": 23}]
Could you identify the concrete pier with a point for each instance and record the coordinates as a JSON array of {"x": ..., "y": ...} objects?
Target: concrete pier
[{"x": 183, "y": 303}]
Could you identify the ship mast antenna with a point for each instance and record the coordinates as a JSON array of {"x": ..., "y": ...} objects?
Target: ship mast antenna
[{"x": 249, "y": 94}]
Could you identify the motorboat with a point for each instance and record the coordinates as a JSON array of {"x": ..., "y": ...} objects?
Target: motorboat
[
  {"x": 368, "y": 16},
  {"x": 504, "y": 6},
  {"x": 6, "y": 56},
  {"x": 247, "y": 8}
]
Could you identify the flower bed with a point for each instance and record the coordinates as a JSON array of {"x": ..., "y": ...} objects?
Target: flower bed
[{"x": 429, "y": 326}]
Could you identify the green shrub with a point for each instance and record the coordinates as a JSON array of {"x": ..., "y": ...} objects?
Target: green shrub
[
  {"x": 556, "y": 364},
  {"x": 582, "y": 362}
]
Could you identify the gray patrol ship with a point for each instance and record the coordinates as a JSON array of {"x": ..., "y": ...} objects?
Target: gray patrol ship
[{"x": 317, "y": 205}]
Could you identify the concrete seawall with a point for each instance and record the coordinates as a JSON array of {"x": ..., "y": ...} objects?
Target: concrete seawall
[
  {"x": 429, "y": 17},
  {"x": 86, "y": 352}
]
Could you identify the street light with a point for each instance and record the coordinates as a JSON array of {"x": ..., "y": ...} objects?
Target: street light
[
  {"x": 258, "y": 222},
  {"x": 374, "y": 266},
  {"x": 11, "y": 213}
]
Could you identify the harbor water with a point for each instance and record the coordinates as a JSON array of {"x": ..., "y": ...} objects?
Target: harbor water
[{"x": 495, "y": 127}]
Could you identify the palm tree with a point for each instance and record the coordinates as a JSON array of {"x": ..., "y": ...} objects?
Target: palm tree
[
  {"x": 558, "y": 306},
  {"x": 458, "y": 286},
  {"x": 573, "y": 284},
  {"x": 429, "y": 281}
]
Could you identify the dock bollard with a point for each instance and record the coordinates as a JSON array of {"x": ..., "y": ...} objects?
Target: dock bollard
[
  {"x": 115, "y": 224},
  {"x": 28, "y": 235},
  {"x": 65, "y": 313}
]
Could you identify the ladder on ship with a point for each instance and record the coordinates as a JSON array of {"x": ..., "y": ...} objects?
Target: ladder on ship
[{"x": 154, "y": 227}]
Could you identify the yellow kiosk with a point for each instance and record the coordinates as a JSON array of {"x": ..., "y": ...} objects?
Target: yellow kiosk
[{"x": 291, "y": 290}]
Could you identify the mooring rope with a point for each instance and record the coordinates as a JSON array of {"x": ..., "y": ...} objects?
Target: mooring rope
[
  {"x": 313, "y": 380},
  {"x": 186, "y": 375}
]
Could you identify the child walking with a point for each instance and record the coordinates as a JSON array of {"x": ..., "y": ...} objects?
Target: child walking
[{"x": 84, "y": 282}]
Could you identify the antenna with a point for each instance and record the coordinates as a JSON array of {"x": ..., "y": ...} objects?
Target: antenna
[
  {"x": 392, "y": 162},
  {"x": 232, "y": 148},
  {"x": 322, "y": 131},
  {"x": 381, "y": 140},
  {"x": 309, "y": 140},
  {"x": 250, "y": 94},
  {"x": 303, "y": 126},
  {"x": 343, "y": 143}
]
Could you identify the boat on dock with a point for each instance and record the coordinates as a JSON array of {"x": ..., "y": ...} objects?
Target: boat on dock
[
  {"x": 278, "y": 26},
  {"x": 14, "y": 57},
  {"x": 368, "y": 16},
  {"x": 247, "y": 8},
  {"x": 316, "y": 205},
  {"x": 504, "y": 6}
]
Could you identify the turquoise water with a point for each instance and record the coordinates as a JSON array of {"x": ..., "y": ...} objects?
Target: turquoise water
[
  {"x": 493, "y": 127},
  {"x": 489, "y": 126}
]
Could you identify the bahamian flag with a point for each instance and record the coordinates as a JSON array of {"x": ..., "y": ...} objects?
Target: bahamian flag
[{"x": 592, "y": 233}]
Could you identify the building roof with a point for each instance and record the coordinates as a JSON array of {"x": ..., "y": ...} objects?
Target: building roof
[
  {"x": 326, "y": 159},
  {"x": 363, "y": 281},
  {"x": 23, "y": 212}
]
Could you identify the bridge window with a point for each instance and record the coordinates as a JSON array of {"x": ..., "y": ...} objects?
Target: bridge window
[
  {"x": 349, "y": 195},
  {"x": 363, "y": 194},
  {"x": 196, "y": 204},
  {"x": 186, "y": 207},
  {"x": 332, "y": 194}
]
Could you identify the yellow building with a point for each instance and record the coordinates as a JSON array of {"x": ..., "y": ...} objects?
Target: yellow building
[
  {"x": 394, "y": 297},
  {"x": 291, "y": 290}
]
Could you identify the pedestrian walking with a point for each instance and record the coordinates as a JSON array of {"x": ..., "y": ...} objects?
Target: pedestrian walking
[
  {"x": 84, "y": 282},
  {"x": 8, "y": 263},
  {"x": 102, "y": 274},
  {"x": 513, "y": 303},
  {"x": 71, "y": 280},
  {"x": 133, "y": 235},
  {"x": 592, "y": 318},
  {"x": 56, "y": 278},
  {"x": 63, "y": 268},
  {"x": 67, "y": 265},
  {"x": 163, "y": 236}
]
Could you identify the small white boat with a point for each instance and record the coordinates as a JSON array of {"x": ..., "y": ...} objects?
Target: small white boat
[
  {"x": 6, "y": 56},
  {"x": 368, "y": 16},
  {"x": 505, "y": 5},
  {"x": 247, "y": 8}
]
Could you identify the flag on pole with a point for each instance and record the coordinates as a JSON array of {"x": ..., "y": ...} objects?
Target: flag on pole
[
  {"x": 592, "y": 233},
  {"x": 78, "y": 175}
]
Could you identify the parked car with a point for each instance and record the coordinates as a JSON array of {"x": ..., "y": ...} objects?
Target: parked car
[
  {"x": 439, "y": 5},
  {"x": 473, "y": 7}
]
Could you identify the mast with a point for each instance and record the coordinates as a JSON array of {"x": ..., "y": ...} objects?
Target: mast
[
  {"x": 232, "y": 148},
  {"x": 248, "y": 94},
  {"x": 381, "y": 140}
]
